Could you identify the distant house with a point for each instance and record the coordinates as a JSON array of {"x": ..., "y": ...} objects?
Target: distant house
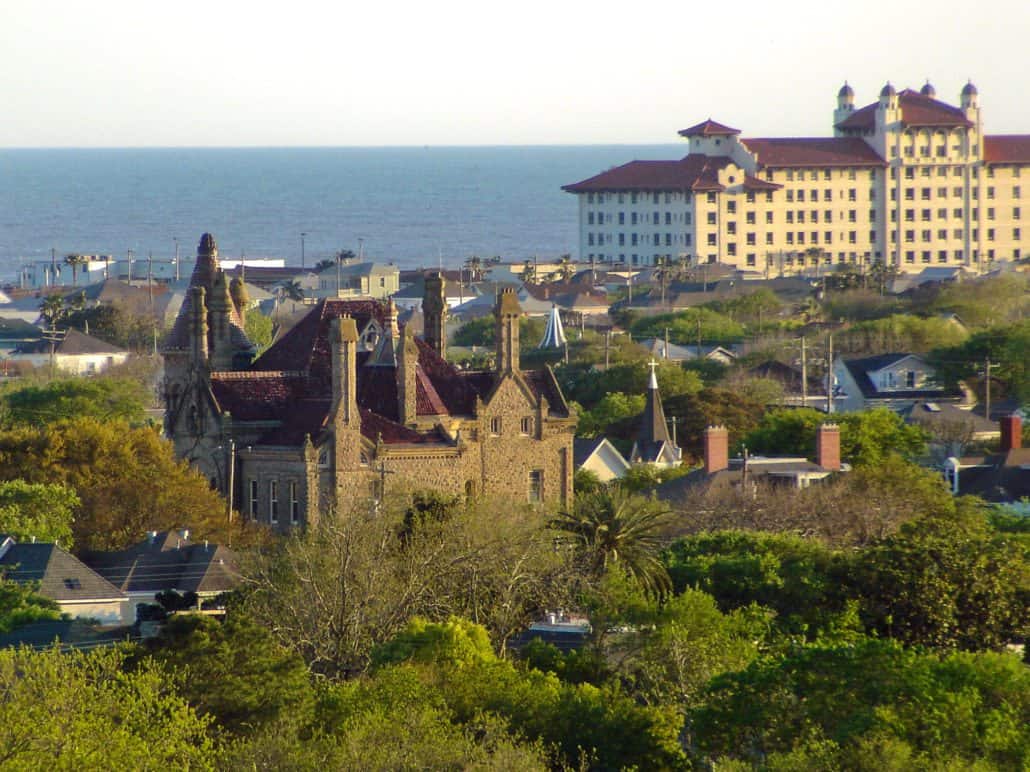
[
  {"x": 356, "y": 280},
  {"x": 78, "y": 590},
  {"x": 949, "y": 427},
  {"x": 673, "y": 352},
  {"x": 600, "y": 457},
  {"x": 75, "y": 353},
  {"x": 720, "y": 473},
  {"x": 166, "y": 561},
  {"x": 1002, "y": 477},
  {"x": 15, "y": 333},
  {"x": 895, "y": 381}
]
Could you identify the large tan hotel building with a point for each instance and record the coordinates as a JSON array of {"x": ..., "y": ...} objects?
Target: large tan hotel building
[{"x": 907, "y": 180}]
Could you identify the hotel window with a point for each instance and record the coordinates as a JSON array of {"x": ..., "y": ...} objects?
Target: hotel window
[
  {"x": 852, "y": 237},
  {"x": 910, "y": 215},
  {"x": 622, "y": 198},
  {"x": 790, "y": 174},
  {"x": 852, "y": 215},
  {"x": 253, "y": 499},
  {"x": 768, "y": 196},
  {"x": 590, "y": 198},
  {"x": 622, "y": 239},
  {"x": 1016, "y": 191},
  {"x": 657, "y": 240},
  {"x": 711, "y": 240},
  {"x": 294, "y": 503},
  {"x": 536, "y": 485},
  {"x": 872, "y": 237},
  {"x": 801, "y": 237},
  {"x": 990, "y": 213},
  {"x": 958, "y": 254},
  {"x": 668, "y": 198},
  {"x": 750, "y": 239},
  {"x": 731, "y": 228},
  {"x": 790, "y": 196},
  {"x": 1016, "y": 213},
  {"x": 655, "y": 218},
  {"x": 942, "y": 255},
  {"x": 990, "y": 172},
  {"x": 957, "y": 171},
  {"x": 925, "y": 194},
  {"x": 956, "y": 213},
  {"x": 633, "y": 239},
  {"x": 826, "y": 174},
  {"x": 957, "y": 233},
  {"x": 814, "y": 237},
  {"x": 731, "y": 249},
  {"x": 910, "y": 194},
  {"x": 828, "y": 237},
  {"x": 750, "y": 197},
  {"x": 910, "y": 256},
  {"x": 910, "y": 173},
  {"x": 633, "y": 218},
  {"x": 731, "y": 207},
  {"x": 872, "y": 215},
  {"x": 633, "y": 198},
  {"x": 957, "y": 192},
  {"x": 710, "y": 198},
  {"x": 526, "y": 426},
  {"x": 686, "y": 218},
  {"x": 711, "y": 218},
  {"x": 851, "y": 174},
  {"x": 622, "y": 218},
  {"x": 942, "y": 233},
  {"x": 668, "y": 239},
  {"x": 828, "y": 215},
  {"x": 768, "y": 238},
  {"x": 273, "y": 501},
  {"x": 925, "y": 255},
  {"x": 827, "y": 195},
  {"x": 894, "y": 195},
  {"x": 894, "y": 173},
  {"x": 590, "y": 218},
  {"x": 942, "y": 192},
  {"x": 801, "y": 216},
  {"x": 790, "y": 216},
  {"x": 814, "y": 215},
  {"x": 990, "y": 192},
  {"x": 749, "y": 218},
  {"x": 790, "y": 237},
  {"x": 495, "y": 426},
  {"x": 751, "y": 258},
  {"x": 925, "y": 215},
  {"x": 590, "y": 239},
  {"x": 910, "y": 236},
  {"x": 654, "y": 198},
  {"x": 687, "y": 239},
  {"x": 942, "y": 214},
  {"x": 801, "y": 195},
  {"x": 926, "y": 235},
  {"x": 1016, "y": 234}
]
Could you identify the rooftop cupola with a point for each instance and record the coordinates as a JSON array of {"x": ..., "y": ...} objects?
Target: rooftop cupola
[
  {"x": 928, "y": 90},
  {"x": 845, "y": 97},
  {"x": 969, "y": 95}
]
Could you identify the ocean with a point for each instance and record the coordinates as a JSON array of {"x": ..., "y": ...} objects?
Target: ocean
[{"x": 413, "y": 206}]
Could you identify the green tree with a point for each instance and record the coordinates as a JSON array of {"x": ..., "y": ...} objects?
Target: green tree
[
  {"x": 105, "y": 398},
  {"x": 75, "y": 260},
  {"x": 21, "y": 605},
  {"x": 613, "y": 407},
  {"x": 259, "y": 329},
  {"x": 37, "y": 511},
  {"x": 233, "y": 671},
  {"x": 683, "y": 327},
  {"x": 454, "y": 642},
  {"x": 612, "y": 526},
  {"x": 1008, "y": 347},
  {"x": 946, "y": 581},
  {"x": 127, "y": 479},
  {"x": 52, "y": 309},
  {"x": 81, "y": 710}
]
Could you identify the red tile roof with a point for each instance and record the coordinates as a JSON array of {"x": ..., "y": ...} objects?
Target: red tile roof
[
  {"x": 916, "y": 110},
  {"x": 813, "y": 151},
  {"x": 1007, "y": 149},
  {"x": 694, "y": 172},
  {"x": 298, "y": 393},
  {"x": 709, "y": 128}
]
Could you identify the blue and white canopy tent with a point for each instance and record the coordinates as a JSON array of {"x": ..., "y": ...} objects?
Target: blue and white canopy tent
[{"x": 554, "y": 335}]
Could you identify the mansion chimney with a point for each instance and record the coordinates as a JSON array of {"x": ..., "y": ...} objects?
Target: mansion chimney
[
  {"x": 717, "y": 449},
  {"x": 344, "y": 341},
  {"x": 407, "y": 362},
  {"x": 434, "y": 313},
  {"x": 1011, "y": 432},
  {"x": 827, "y": 447},
  {"x": 507, "y": 313}
]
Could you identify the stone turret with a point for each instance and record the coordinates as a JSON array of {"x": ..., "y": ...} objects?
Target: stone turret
[
  {"x": 198, "y": 328},
  {"x": 344, "y": 342},
  {"x": 845, "y": 103},
  {"x": 220, "y": 312},
  {"x": 434, "y": 313},
  {"x": 240, "y": 298},
  {"x": 507, "y": 314}
]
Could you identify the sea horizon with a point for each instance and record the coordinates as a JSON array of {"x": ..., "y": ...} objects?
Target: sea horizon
[{"x": 413, "y": 205}]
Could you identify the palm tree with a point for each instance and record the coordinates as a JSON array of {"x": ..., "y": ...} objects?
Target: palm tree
[
  {"x": 324, "y": 265},
  {"x": 614, "y": 527},
  {"x": 75, "y": 260},
  {"x": 528, "y": 274},
  {"x": 565, "y": 267},
  {"x": 52, "y": 309}
]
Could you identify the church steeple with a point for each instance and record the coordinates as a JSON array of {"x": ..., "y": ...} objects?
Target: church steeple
[{"x": 653, "y": 444}]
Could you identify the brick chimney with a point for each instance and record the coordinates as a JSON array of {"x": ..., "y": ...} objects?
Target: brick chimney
[
  {"x": 827, "y": 447},
  {"x": 1011, "y": 432},
  {"x": 717, "y": 449}
]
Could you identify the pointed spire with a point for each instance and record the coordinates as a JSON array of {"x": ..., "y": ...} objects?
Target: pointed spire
[
  {"x": 652, "y": 426},
  {"x": 554, "y": 334}
]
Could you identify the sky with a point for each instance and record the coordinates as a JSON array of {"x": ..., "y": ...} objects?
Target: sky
[{"x": 110, "y": 73}]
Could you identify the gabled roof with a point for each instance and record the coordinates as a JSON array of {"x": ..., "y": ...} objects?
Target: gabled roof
[
  {"x": 916, "y": 110},
  {"x": 768, "y": 470},
  {"x": 695, "y": 172},
  {"x": 72, "y": 344},
  {"x": 861, "y": 370},
  {"x": 1007, "y": 149},
  {"x": 167, "y": 561},
  {"x": 61, "y": 576},
  {"x": 708, "y": 128},
  {"x": 584, "y": 449},
  {"x": 1002, "y": 477},
  {"x": 812, "y": 151}
]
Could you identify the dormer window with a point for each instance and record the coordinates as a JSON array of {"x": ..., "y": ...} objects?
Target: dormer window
[{"x": 910, "y": 379}]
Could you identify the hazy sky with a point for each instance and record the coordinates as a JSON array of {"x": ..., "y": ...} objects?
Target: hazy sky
[{"x": 220, "y": 72}]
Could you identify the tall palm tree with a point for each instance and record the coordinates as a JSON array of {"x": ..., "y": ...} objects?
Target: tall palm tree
[
  {"x": 614, "y": 527},
  {"x": 52, "y": 309},
  {"x": 75, "y": 260}
]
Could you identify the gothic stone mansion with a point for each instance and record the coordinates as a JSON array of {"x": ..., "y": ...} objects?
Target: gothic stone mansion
[{"x": 347, "y": 403}]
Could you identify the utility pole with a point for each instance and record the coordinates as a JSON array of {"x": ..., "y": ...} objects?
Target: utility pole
[
  {"x": 699, "y": 335},
  {"x": 131, "y": 254},
  {"x": 666, "y": 343},
  {"x": 150, "y": 279},
  {"x": 607, "y": 341},
  {"x": 302, "y": 237},
  {"x": 232, "y": 477},
  {"x": 829, "y": 375},
  {"x": 53, "y": 266},
  {"x": 804, "y": 373},
  {"x": 176, "y": 240},
  {"x": 53, "y": 335},
  {"x": 987, "y": 387}
]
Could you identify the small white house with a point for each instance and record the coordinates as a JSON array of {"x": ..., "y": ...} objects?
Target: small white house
[
  {"x": 600, "y": 457},
  {"x": 895, "y": 381},
  {"x": 75, "y": 353}
]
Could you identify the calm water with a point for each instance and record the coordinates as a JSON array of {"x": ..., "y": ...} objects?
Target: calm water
[{"x": 409, "y": 205}]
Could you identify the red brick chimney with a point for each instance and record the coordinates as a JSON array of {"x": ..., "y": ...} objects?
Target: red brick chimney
[
  {"x": 1011, "y": 432},
  {"x": 717, "y": 449},
  {"x": 827, "y": 447}
]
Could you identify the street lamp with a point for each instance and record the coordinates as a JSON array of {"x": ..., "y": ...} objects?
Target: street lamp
[{"x": 302, "y": 237}]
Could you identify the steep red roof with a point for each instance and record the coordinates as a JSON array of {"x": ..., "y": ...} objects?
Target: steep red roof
[
  {"x": 297, "y": 394},
  {"x": 1007, "y": 149},
  {"x": 709, "y": 128},
  {"x": 813, "y": 151},
  {"x": 694, "y": 172},
  {"x": 916, "y": 110}
]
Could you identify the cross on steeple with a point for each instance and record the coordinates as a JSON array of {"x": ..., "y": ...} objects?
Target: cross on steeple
[{"x": 653, "y": 380}]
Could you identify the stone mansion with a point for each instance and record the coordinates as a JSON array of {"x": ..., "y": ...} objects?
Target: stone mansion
[
  {"x": 907, "y": 180},
  {"x": 347, "y": 406}
]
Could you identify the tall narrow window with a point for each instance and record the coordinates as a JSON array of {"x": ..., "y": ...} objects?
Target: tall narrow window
[
  {"x": 253, "y": 499},
  {"x": 536, "y": 485},
  {"x": 273, "y": 501},
  {"x": 294, "y": 503}
]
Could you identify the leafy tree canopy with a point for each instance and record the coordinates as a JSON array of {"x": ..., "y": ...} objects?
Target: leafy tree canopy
[
  {"x": 128, "y": 480},
  {"x": 20, "y": 605},
  {"x": 683, "y": 327},
  {"x": 108, "y": 398},
  {"x": 37, "y": 510}
]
